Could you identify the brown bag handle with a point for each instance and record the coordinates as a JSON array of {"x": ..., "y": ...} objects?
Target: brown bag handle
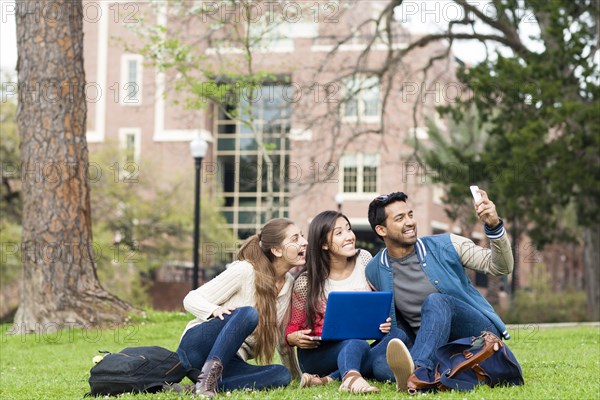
[{"x": 491, "y": 345}]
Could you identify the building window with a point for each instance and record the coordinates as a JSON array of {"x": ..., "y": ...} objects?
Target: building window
[
  {"x": 130, "y": 88},
  {"x": 276, "y": 30},
  {"x": 253, "y": 153},
  {"x": 270, "y": 35},
  {"x": 361, "y": 99},
  {"x": 359, "y": 173},
  {"x": 130, "y": 143}
]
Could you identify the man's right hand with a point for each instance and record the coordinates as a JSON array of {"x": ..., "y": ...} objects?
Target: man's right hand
[{"x": 486, "y": 211}]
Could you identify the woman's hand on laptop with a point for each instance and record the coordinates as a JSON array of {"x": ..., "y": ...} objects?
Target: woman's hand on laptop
[
  {"x": 386, "y": 326},
  {"x": 301, "y": 340}
]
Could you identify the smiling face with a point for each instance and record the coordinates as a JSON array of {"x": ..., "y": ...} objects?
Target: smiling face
[
  {"x": 400, "y": 229},
  {"x": 341, "y": 239},
  {"x": 293, "y": 248}
]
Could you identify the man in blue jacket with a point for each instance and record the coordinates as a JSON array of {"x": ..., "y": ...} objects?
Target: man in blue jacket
[{"x": 434, "y": 301}]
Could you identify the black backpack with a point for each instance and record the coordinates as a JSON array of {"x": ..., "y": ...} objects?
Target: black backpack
[{"x": 137, "y": 370}]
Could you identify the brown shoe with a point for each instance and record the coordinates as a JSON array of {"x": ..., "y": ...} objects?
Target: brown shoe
[
  {"x": 400, "y": 362},
  {"x": 209, "y": 378}
]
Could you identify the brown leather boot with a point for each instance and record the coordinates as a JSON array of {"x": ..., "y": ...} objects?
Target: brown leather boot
[{"x": 209, "y": 378}]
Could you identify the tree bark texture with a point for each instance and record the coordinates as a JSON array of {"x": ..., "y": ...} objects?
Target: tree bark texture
[{"x": 60, "y": 285}]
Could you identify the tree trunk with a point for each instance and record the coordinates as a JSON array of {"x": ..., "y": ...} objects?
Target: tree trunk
[
  {"x": 591, "y": 262},
  {"x": 60, "y": 285}
]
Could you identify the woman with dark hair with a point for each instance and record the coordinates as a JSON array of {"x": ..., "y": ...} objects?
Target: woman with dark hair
[
  {"x": 333, "y": 264},
  {"x": 241, "y": 314}
]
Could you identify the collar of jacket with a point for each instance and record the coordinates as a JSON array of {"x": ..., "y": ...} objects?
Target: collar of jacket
[{"x": 420, "y": 250}]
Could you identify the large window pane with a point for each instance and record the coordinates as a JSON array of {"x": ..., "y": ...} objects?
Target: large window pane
[
  {"x": 350, "y": 178},
  {"x": 370, "y": 179},
  {"x": 271, "y": 172},
  {"x": 228, "y": 216},
  {"x": 227, "y": 169},
  {"x": 359, "y": 173},
  {"x": 229, "y": 127},
  {"x": 247, "y": 201},
  {"x": 226, "y": 144},
  {"x": 248, "y": 144},
  {"x": 265, "y": 117},
  {"x": 247, "y": 217},
  {"x": 361, "y": 97},
  {"x": 249, "y": 174},
  {"x": 370, "y": 96}
]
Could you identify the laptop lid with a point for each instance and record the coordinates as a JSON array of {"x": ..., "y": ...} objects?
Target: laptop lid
[{"x": 355, "y": 315}]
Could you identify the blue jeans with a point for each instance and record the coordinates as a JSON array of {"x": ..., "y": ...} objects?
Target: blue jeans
[
  {"x": 221, "y": 339},
  {"x": 375, "y": 365},
  {"x": 334, "y": 358},
  {"x": 444, "y": 318},
  {"x": 337, "y": 358}
]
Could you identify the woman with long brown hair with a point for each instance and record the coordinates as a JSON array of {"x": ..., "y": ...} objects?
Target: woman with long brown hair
[
  {"x": 241, "y": 314},
  {"x": 334, "y": 264}
]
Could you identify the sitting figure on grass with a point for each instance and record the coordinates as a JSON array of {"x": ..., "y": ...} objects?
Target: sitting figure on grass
[
  {"x": 435, "y": 302},
  {"x": 334, "y": 264},
  {"x": 235, "y": 313}
]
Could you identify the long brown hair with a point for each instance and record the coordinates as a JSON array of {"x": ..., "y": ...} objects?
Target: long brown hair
[
  {"x": 318, "y": 261},
  {"x": 257, "y": 251}
]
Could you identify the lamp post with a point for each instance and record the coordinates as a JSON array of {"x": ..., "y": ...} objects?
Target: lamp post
[
  {"x": 198, "y": 148},
  {"x": 339, "y": 199}
]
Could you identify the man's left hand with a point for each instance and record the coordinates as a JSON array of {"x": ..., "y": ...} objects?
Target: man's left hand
[{"x": 486, "y": 211}]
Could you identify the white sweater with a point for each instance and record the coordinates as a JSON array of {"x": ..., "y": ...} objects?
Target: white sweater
[{"x": 235, "y": 287}]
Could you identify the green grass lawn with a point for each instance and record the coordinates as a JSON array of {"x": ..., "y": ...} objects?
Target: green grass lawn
[{"x": 558, "y": 363}]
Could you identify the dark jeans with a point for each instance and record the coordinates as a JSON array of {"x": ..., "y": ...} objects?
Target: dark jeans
[
  {"x": 337, "y": 358},
  {"x": 375, "y": 365},
  {"x": 222, "y": 339},
  {"x": 444, "y": 318},
  {"x": 331, "y": 357}
]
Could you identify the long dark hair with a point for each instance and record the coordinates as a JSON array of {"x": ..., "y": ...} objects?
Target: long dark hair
[
  {"x": 318, "y": 260},
  {"x": 257, "y": 251}
]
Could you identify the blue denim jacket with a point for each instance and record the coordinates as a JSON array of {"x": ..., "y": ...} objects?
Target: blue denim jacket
[{"x": 444, "y": 269}]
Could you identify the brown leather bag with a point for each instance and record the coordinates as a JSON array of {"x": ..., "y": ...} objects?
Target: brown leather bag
[{"x": 468, "y": 362}]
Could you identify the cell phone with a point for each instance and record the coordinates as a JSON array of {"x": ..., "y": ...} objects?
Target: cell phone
[
  {"x": 475, "y": 193},
  {"x": 315, "y": 338}
]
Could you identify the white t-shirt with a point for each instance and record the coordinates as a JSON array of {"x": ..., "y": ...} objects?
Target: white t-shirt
[{"x": 357, "y": 280}]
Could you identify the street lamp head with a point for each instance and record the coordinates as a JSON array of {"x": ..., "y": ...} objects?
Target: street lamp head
[
  {"x": 198, "y": 147},
  {"x": 339, "y": 198}
]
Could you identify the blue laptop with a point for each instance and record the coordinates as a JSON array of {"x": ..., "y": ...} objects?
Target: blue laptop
[{"x": 355, "y": 315}]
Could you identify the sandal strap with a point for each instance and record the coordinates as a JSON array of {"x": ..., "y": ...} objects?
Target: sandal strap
[
  {"x": 309, "y": 380},
  {"x": 351, "y": 378}
]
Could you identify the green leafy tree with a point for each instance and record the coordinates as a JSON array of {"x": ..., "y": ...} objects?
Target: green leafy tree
[
  {"x": 141, "y": 224},
  {"x": 541, "y": 158},
  {"x": 10, "y": 207}
]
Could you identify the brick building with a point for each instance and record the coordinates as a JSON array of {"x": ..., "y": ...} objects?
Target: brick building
[
  {"x": 331, "y": 144},
  {"x": 310, "y": 163}
]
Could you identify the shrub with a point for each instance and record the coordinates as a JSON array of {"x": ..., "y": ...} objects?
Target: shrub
[{"x": 544, "y": 305}]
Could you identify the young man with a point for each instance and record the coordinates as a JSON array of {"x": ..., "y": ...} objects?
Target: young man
[{"x": 435, "y": 302}]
